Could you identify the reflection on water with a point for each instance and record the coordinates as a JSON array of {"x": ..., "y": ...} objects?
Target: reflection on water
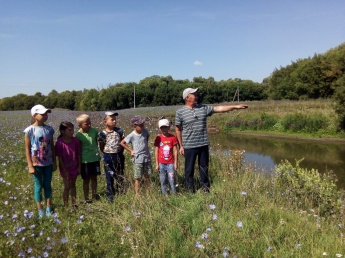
[{"x": 266, "y": 152}]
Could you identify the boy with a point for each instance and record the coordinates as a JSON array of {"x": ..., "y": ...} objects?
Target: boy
[
  {"x": 139, "y": 138},
  {"x": 90, "y": 165},
  {"x": 166, "y": 154},
  {"x": 113, "y": 158}
]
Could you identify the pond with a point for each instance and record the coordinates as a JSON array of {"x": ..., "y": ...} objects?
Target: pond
[{"x": 266, "y": 152}]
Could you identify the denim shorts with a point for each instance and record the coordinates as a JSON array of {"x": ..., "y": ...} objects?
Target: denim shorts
[{"x": 142, "y": 169}]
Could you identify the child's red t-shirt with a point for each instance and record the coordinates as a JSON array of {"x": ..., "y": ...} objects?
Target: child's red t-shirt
[{"x": 165, "y": 145}]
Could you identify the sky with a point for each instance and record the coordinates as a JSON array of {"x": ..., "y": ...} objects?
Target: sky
[{"x": 64, "y": 45}]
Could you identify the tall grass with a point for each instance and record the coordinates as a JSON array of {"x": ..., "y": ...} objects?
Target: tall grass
[{"x": 247, "y": 214}]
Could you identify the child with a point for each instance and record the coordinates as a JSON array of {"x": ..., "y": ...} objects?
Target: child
[
  {"x": 67, "y": 149},
  {"x": 139, "y": 138},
  {"x": 39, "y": 151},
  {"x": 90, "y": 166},
  {"x": 114, "y": 160},
  {"x": 166, "y": 154}
]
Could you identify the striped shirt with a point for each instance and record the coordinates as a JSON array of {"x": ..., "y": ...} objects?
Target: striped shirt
[{"x": 193, "y": 125}]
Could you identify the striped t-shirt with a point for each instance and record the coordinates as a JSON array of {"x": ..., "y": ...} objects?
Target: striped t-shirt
[{"x": 193, "y": 125}]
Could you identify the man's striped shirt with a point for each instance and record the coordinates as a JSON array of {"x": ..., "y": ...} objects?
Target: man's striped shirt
[{"x": 193, "y": 125}]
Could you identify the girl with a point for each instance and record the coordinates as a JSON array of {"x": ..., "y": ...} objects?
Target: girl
[
  {"x": 67, "y": 149},
  {"x": 40, "y": 156}
]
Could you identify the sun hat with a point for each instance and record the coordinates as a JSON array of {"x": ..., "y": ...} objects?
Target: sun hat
[
  {"x": 163, "y": 122},
  {"x": 188, "y": 91},
  {"x": 39, "y": 109},
  {"x": 137, "y": 120}
]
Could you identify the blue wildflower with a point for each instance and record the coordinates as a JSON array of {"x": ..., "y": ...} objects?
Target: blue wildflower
[
  {"x": 128, "y": 228},
  {"x": 214, "y": 216},
  {"x": 64, "y": 240},
  {"x": 212, "y": 206},
  {"x": 239, "y": 224}
]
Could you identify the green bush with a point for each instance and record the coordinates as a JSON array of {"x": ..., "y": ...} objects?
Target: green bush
[
  {"x": 299, "y": 122},
  {"x": 307, "y": 188}
]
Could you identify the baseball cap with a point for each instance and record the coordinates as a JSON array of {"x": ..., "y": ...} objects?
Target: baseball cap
[
  {"x": 137, "y": 120},
  {"x": 188, "y": 91},
  {"x": 110, "y": 113},
  {"x": 163, "y": 122},
  {"x": 39, "y": 109}
]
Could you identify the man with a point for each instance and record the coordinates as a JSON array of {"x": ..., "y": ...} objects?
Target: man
[{"x": 191, "y": 133}]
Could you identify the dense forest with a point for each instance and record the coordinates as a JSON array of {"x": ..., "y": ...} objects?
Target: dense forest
[{"x": 320, "y": 76}]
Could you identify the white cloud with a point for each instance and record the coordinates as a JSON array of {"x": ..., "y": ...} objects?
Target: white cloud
[{"x": 198, "y": 63}]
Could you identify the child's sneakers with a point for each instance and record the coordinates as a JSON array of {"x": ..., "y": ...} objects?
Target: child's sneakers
[
  {"x": 40, "y": 213},
  {"x": 48, "y": 211}
]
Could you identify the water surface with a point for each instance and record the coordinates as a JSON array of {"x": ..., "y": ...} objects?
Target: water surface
[{"x": 267, "y": 152}]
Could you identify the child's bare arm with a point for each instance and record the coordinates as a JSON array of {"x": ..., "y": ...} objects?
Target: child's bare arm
[
  {"x": 124, "y": 145},
  {"x": 156, "y": 158},
  {"x": 28, "y": 155},
  {"x": 175, "y": 153}
]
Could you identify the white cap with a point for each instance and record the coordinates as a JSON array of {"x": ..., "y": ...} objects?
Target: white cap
[
  {"x": 188, "y": 91},
  {"x": 39, "y": 109},
  {"x": 163, "y": 122}
]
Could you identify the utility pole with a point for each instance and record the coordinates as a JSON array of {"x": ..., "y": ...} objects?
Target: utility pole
[
  {"x": 134, "y": 95},
  {"x": 237, "y": 92}
]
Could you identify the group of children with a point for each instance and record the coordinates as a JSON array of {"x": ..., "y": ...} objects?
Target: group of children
[{"x": 79, "y": 155}]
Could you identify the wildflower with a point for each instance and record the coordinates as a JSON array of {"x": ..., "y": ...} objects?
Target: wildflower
[
  {"x": 1, "y": 216},
  {"x": 214, "y": 216},
  {"x": 23, "y": 238},
  {"x": 128, "y": 228},
  {"x": 208, "y": 229},
  {"x": 225, "y": 254},
  {"x": 298, "y": 246},
  {"x": 6, "y": 202},
  {"x": 81, "y": 217},
  {"x": 212, "y": 206},
  {"x": 198, "y": 245},
  {"x": 137, "y": 214},
  {"x": 29, "y": 250},
  {"x": 256, "y": 214},
  {"x": 41, "y": 233},
  {"x": 57, "y": 221},
  {"x": 239, "y": 224},
  {"x": 244, "y": 193},
  {"x": 204, "y": 236},
  {"x": 64, "y": 240},
  {"x": 324, "y": 254},
  {"x": 21, "y": 254},
  {"x": 47, "y": 247},
  {"x": 79, "y": 221},
  {"x": 338, "y": 255},
  {"x": 54, "y": 230},
  {"x": 48, "y": 238},
  {"x": 269, "y": 248},
  {"x": 227, "y": 248},
  {"x": 32, "y": 226},
  {"x": 340, "y": 225},
  {"x": 45, "y": 254}
]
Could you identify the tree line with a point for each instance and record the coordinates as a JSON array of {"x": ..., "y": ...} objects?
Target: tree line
[
  {"x": 151, "y": 91},
  {"x": 320, "y": 76}
]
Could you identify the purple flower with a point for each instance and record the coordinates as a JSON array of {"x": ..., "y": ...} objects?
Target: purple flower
[
  {"x": 214, "y": 216},
  {"x": 204, "y": 236},
  {"x": 244, "y": 193},
  {"x": 212, "y": 206},
  {"x": 198, "y": 245},
  {"x": 128, "y": 228},
  {"x": 64, "y": 240},
  {"x": 45, "y": 254},
  {"x": 239, "y": 224},
  {"x": 269, "y": 248}
]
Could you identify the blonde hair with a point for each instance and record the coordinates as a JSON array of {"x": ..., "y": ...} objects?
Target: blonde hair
[{"x": 81, "y": 118}]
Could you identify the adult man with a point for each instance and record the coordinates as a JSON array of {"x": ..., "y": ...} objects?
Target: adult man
[{"x": 191, "y": 133}]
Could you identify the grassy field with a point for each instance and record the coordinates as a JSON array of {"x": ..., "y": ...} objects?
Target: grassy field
[{"x": 297, "y": 213}]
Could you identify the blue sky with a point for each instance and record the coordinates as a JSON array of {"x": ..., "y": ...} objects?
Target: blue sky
[{"x": 76, "y": 45}]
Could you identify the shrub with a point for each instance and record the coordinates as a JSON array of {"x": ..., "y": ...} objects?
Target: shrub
[{"x": 307, "y": 188}]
